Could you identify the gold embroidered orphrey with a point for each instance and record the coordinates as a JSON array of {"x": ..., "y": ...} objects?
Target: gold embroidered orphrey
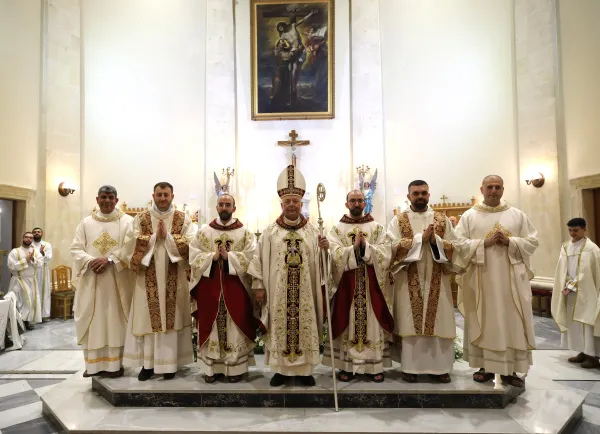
[
  {"x": 360, "y": 297},
  {"x": 414, "y": 285},
  {"x": 293, "y": 266},
  {"x": 224, "y": 347},
  {"x": 104, "y": 243},
  {"x": 150, "y": 276},
  {"x": 498, "y": 228}
]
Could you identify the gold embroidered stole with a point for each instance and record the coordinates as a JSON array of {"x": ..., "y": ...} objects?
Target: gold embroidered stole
[
  {"x": 414, "y": 284},
  {"x": 141, "y": 248}
]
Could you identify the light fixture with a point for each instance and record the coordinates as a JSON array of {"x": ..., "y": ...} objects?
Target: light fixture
[
  {"x": 537, "y": 180},
  {"x": 64, "y": 189}
]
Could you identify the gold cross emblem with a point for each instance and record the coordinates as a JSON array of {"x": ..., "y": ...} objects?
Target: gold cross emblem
[
  {"x": 104, "y": 243},
  {"x": 356, "y": 232}
]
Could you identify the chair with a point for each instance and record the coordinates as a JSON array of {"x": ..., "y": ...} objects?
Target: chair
[{"x": 62, "y": 292}]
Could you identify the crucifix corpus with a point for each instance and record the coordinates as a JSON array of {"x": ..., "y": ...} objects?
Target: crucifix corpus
[{"x": 293, "y": 143}]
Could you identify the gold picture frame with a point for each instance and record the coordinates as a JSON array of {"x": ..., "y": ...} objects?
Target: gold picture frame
[{"x": 293, "y": 59}]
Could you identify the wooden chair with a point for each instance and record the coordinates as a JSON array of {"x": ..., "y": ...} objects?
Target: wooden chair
[{"x": 62, "y": 292}]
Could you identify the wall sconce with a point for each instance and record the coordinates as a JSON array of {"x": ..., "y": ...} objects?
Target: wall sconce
[
  {"x": 64, "y": 189},
  {"x": 537, "y": 180}
]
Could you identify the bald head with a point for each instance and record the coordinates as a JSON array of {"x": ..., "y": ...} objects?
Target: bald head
[
  {"x": 354, "y": 192},
  {"x": 492, "y": 178},
  {"x": 492, "y": 189}
]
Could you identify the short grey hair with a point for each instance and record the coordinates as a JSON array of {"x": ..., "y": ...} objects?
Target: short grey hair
[{"x": 107, "y": 189}]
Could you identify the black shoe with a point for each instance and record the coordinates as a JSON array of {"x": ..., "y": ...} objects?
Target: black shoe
[
  {"x": 28, "y": 325},
  {"x": 169, "y": 375},
  {"x": 145, "y": 374},
  {"x": 307, "y": 380},
  {"x": 277, "y": 380}
]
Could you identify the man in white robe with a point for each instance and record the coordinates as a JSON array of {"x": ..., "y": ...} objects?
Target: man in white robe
[
  {"x": 103, "y": 286},
  {"x": 575, "y": 298},
  {"x": 287, "y": 279},
  {"x": 220, "y": 255},
  {"x": 362, "y": 322},
  {"x": 496, "y": 243},
  {"x": 156, "y": 248},
  {"x": 24, "y": 262},
  {"x": 424, "y": 311},
  {"x": 44, "y": 288}
]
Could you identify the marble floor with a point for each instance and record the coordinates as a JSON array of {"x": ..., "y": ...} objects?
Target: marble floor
[{"x": 51, "y": 356}]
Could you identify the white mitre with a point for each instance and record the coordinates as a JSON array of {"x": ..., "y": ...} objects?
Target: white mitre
[{"x": 291, "y": 182}]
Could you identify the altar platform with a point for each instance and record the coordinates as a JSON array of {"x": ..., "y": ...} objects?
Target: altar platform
[{"x": 187, "y": 404}]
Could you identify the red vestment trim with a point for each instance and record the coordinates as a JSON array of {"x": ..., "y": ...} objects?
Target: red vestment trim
[
  {"x": 238, "y": 224},
  {"x": 364, "y": 219},
  {"x": 284, "y": 225},
  {"x": 342, "y": 302},
  {"x": 207, "y": 294}
]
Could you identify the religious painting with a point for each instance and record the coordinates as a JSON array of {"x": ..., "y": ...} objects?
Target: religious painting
[{"x": 292, "y": 48}]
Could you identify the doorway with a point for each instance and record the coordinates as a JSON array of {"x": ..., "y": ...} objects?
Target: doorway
[{"x": 6, "y": 240}]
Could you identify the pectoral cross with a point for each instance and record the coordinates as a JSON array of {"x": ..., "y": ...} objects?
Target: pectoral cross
[{"x": 293, "y": 143}]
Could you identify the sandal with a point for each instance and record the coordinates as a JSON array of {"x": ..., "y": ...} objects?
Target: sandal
[
  {"x": 345, "y": 376},
  {"x": 513, "y": 380},
  {"x": 234, "y": 378},
  {"x": 211, "y": 378},
  {"x": 443, "y": 378},
  {"x": 409, "y": 378},
  {"x": 377, "y": 378},
  {"x": 482, "y": 377}
]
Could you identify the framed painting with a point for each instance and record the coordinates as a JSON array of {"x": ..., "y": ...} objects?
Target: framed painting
[{"x": 292, "y": 49}]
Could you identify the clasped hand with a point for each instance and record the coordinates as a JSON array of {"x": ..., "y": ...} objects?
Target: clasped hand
[
  {"x": 220, "y": 253},
  {"x": 98, "y": 265},
  {"x": 161, "y": 232},
  {"x": 499, "y": 238},
  {"x": 359, "y": 242},
  {"x": 429, "y": 235}
]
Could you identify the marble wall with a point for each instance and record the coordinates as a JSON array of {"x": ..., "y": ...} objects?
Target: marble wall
[{"x": 163, "y": 92}]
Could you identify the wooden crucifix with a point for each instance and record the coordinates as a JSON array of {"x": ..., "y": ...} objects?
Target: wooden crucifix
[{"x": 293, "y": 143}]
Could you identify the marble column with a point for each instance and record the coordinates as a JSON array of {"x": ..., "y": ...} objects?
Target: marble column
[
  {"x": 220, "y": 143},
  {"x": 60, "y": 135},
  {"x": 536, "y": 111},
  {"x": 367, "y": 98}
]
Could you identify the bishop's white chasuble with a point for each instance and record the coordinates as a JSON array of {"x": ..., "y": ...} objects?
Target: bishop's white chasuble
[{"x": 287, "y": 264}]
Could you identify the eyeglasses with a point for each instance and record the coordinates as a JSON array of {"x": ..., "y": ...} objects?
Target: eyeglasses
[{"x": 359, "y": 201}]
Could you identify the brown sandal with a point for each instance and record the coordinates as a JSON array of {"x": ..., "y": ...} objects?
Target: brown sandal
[
  {"x": 345, "y": 376},
  {"x": 513, "y": 380},
  {"x": 482, "y": 377}
]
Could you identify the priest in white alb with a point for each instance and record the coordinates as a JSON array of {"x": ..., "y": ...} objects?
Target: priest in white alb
[
  {"x": 24, "y": 263},
  {"x": 424, "y": 311},
  {"x": 159, "y": 337},
  {"x": 103, "y": 286},
  {"x": 220, "y": 254},
  {"x": 44, "y": 288},
  {"x": 575, "y": 298},
  {"x": 496, "y": 244},
  {"x": 362, "y": 322},
  {"x": 287, "y": 279}
]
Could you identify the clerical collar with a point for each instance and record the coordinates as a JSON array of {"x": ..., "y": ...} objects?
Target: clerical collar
[
  {"x": 285, "y": 223},
  {"x": 419, "y": 212},
  {"x": 363, "y": 219},
  {"x": 484, "y": 208},
  {"x": 157, "y": 211},
  {"x": 230, "y": 226}
]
